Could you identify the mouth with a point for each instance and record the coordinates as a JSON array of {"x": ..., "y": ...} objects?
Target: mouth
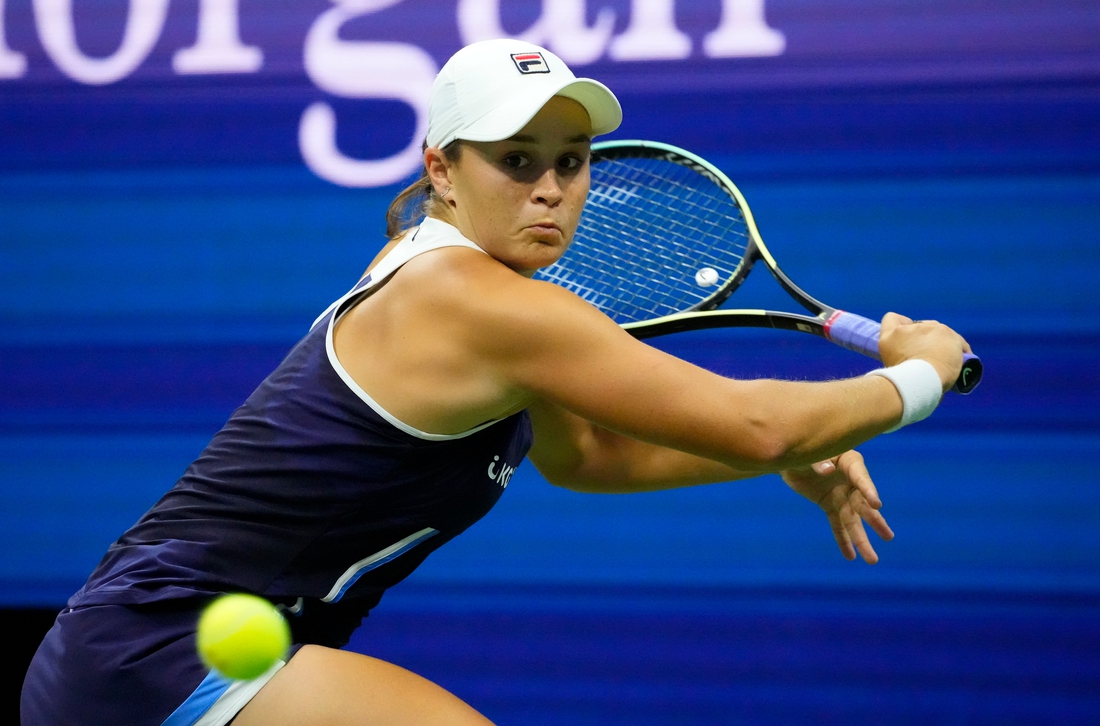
[{"x": 545, "y": 229}]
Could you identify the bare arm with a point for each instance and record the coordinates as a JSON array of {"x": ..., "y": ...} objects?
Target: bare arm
[
  {"x": 563, "y": 352},
  {"x": 577, "y": 454},
  {"x": 456, "y": 339}
]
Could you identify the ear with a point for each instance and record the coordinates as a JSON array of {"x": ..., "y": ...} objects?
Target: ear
[{"x": 439, "y": 170}]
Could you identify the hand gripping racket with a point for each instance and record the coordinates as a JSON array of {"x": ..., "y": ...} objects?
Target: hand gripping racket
[{"x": 666, "y": 237}]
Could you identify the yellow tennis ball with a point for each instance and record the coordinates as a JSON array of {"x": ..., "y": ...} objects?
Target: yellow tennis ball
[{"x": 241, "y": 636}]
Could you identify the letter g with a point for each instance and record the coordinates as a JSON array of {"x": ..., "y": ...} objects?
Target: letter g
[{"x": 361, "y": 69}]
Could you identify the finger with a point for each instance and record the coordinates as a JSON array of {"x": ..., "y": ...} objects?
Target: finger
[
  {"x": 853, "y": 525},
  {"x": 855, "y": 469},
  {"x": 840, "y": 533},
  {"x": 874, "y": 518},
  {"x": 866, "y": 550},
  {"x": 824, "y": 468}
]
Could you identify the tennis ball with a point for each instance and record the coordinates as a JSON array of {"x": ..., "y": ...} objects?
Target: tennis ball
[
  {"x": 241, "y": 636},
  {"x": 706, "y": 277}
]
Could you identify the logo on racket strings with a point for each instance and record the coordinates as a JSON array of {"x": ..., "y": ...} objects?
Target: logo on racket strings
[{"x": 530, "y": 63}]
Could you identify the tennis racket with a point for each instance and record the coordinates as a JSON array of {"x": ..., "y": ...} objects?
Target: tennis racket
[{"x": 666, "y": 237}]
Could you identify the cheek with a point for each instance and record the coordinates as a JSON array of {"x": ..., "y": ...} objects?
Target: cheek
[
  {"x": 577, "y": 198},
  {"x": 500, "y": 206},
  {"x": 492, "y": 215}
]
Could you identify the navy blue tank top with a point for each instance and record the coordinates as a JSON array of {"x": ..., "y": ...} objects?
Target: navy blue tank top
[{"x": 312, "y": 494}]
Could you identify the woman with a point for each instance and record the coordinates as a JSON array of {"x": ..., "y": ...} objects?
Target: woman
[{"x": 395, "y": 423}]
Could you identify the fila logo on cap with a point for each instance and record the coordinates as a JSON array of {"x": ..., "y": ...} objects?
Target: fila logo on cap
[{"x": 530, "y": 63}]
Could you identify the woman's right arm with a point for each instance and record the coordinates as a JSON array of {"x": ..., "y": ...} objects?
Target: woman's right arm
[{"x": 555, "y": 347}]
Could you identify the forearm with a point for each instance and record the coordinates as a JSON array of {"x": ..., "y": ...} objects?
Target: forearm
[
  {"x": 794, "y": 424},
  {"x": 626, "y": 465},
  {"x": 580, "y": 455},
  {"x": 802, "y": 423},
  {"x": 752, "y": 426}
]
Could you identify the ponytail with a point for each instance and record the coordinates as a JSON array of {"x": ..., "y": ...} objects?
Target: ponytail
[
  {"x": 417, "y": 200},
  {"x": 408, "y": 207}
]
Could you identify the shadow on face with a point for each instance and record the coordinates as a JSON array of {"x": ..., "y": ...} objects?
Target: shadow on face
[{"x": 520, "y": 199}]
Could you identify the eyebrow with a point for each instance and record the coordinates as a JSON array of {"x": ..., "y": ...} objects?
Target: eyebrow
[{"x": 527, "y": 139}]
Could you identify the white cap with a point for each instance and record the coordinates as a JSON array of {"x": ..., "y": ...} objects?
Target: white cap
[{"x": 488, "y": 91}]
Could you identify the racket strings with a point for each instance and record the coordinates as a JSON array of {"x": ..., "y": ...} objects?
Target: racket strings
[{"x": 648, "y": 227}]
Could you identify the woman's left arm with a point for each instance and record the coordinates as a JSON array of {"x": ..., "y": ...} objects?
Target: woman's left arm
[{"x": 576, "y": 454}]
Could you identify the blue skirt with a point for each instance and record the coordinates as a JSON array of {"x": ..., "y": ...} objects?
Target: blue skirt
[{"x": 134, "y": 665}]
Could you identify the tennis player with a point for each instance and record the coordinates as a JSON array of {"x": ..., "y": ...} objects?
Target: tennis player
[{"x": 397, "y": 421}]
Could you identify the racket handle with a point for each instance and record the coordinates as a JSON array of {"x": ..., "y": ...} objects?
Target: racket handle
[{"x": 860, "y": 334}]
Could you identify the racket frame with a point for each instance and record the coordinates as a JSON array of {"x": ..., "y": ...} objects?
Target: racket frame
[
  {"x": 703, "y": 315},
  {"x": 852, "y": 330}
]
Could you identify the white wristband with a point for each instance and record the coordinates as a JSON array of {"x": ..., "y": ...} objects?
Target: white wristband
[{"x": 919, "y": 385}]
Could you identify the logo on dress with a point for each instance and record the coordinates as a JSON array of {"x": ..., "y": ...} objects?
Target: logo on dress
[
  {"x": 530, "y": 63},
  {"x": 502, "y": 475}
]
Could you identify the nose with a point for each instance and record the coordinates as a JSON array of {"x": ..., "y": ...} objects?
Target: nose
[{"x": 547, "y": 190}]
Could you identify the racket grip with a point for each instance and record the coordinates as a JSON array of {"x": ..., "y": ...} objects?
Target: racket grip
[{"x": 860, "y": 334}]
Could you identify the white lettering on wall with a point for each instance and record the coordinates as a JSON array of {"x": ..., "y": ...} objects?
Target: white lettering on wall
[
  {"x": 12, "y": 64},
  {"x": 361, "y": 69},
  {"x": 743, "y": 32},
  {"x": 380, "y": 69},
  {"x": 561, "y": 27},
  {"x": 652, "y": 33},
  {"x": 218, "y": 48},
  {"x": 144, "y": 22}
]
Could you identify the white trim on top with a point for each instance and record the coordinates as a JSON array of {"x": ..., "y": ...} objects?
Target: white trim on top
[
  {"x": 445, "y": 236},
  {"x": 339, "y": 301},
  {"x": 377, "y": 407}
]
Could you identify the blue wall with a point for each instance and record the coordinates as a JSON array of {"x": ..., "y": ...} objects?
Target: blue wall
[{"x": 163, "y": 244}]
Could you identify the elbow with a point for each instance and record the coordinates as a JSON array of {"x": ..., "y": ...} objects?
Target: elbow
[
  {"x": 776, "y": 453},
  {"x": 767, "y": 449},
  {"x": 768, "y": 430}
]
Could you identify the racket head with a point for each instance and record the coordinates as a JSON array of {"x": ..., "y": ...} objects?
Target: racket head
[{"x": 663, "y": 232}]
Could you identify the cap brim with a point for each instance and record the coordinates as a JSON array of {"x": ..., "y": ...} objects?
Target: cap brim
[
  {"x": 603, "y": 108},
  {"x": 507, "y": 119}
]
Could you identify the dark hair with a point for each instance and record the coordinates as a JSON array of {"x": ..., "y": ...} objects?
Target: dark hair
[{"x": 419, "y": 198}]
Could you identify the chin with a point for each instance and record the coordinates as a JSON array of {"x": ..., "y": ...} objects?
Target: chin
[{"x": 535, "y": 258}]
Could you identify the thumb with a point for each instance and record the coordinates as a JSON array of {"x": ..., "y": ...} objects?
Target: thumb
[{"x": 890, "y": 321}]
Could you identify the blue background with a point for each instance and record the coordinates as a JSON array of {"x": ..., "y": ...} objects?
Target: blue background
[{"x": 162, "y": 245}]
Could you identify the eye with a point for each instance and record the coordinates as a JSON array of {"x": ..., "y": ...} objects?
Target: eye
[
  {"x": 570, "y": 163},
  {"x": 516, "y": 161}
]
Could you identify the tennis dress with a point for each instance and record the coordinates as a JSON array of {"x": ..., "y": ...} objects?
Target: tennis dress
[{"x": 312, "y": 495}]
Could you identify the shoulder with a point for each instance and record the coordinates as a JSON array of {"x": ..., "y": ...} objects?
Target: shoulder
[
  {"x": 504, "y": 307},
  {"x": 471, "y": 283}
]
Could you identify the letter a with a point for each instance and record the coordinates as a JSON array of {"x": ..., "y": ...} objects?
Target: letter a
[
  {"x": 562, "y": 27},
  {"x": 652, "y": 33}
]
